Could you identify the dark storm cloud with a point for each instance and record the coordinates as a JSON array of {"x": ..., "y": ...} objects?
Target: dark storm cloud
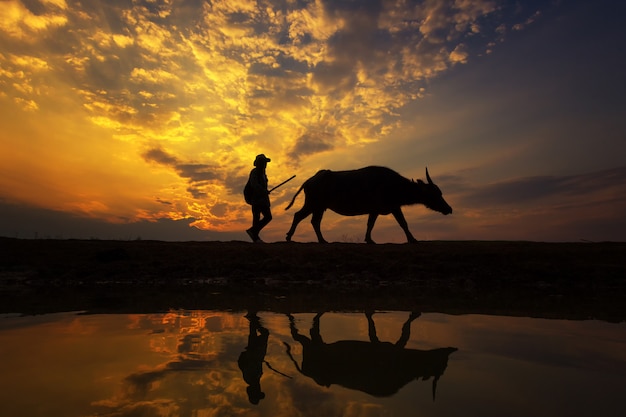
[
  {"x": 160, "y": 157},
  {"x": 609, "y": 184},
  {"x": 198, "y": 172},
  {"x": 164, "y": 202},
  {"x": 198, "y": 175},
  {"x": 312, "y": 142}
]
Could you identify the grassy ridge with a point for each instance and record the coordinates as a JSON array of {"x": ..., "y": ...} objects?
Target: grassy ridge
[{"x": 576, "y": 280}]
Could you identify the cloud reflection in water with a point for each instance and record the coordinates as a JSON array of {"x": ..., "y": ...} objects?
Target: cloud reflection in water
[{"x": 186, "y": 363}]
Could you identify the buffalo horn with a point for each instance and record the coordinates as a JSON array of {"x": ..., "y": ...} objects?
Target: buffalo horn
[{"x": 428, "y": 177}]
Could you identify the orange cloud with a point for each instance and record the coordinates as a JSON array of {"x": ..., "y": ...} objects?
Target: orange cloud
[{"x": 101, "y": 87}]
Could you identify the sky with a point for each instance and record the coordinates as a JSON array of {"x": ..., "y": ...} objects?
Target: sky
[{"x": 142, "y": 119}]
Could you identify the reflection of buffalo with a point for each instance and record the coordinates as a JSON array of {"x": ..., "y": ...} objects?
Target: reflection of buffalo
[{"x": 374, "y": 367}]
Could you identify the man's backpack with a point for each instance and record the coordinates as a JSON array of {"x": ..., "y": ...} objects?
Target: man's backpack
[{"x": 247, "y": 192}]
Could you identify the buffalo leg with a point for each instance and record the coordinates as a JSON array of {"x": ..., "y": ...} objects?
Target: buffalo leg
[
  {"x": 294, "y": 332},
  {"x": 316, "y": 337},
  {"x": 316, "y": 221},
  {"x": 402, "y": 222},
  {"x": 371, "y": 327},
  {"x": 406, "y": 330},
  {"x": 297, "y": 218},
  {"x": 370, "y": 225}
]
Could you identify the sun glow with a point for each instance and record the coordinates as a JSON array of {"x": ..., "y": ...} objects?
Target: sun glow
[{"x": 156, "y": 110}]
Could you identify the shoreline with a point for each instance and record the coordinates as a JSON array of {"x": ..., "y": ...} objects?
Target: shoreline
[{"x": 552, "y": 280}]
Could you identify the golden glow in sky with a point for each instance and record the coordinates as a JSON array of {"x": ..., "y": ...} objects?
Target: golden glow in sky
[{"x": 155, "y": 109}]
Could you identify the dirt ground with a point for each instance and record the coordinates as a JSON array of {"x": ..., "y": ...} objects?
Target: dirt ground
[{"x": 556, "y": 280}]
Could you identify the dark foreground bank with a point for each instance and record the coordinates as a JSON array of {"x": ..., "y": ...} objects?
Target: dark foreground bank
[{"x": 566, "y": 280}]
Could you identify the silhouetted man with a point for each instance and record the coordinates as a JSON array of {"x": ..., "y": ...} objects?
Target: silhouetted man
[
  {"x": 259, "y": 198},
  {"x": 251, "y": 360}
]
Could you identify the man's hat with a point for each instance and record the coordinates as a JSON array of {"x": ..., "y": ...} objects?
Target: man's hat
[{"x": 261, "y": 158}]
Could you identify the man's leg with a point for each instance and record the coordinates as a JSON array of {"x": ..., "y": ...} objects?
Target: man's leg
[
  {"x": 253, "y": 232},
  {"x": 267, "y": 217}
]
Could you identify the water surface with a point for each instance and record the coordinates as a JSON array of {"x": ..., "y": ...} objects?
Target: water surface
[{"x": 210, "y": 363}]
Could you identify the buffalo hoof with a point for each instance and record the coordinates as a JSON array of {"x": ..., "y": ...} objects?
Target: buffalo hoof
[{"x": 414, "y": 315}]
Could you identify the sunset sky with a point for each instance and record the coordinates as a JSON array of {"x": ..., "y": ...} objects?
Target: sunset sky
[{"x": 141, "y": 119}]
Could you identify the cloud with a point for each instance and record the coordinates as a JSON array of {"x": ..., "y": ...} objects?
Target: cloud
[
  {"x": 531, "y": 190},
  {"x": 158, "y": 60},
  {"x": 160, "y": 156},
  {"x": 19, "y": 221},
  {"x": 199, "y": 376},
  {"x": 555, "y": 208},
  {"x": 198, "y": 88},
  {"x": 20, "y": 22},
  {"x": 197, "y": 175},
  {"x": 312, "y": 142},
  {"x": 459, "y": 55},
  {"x": 529, "y": 21}
]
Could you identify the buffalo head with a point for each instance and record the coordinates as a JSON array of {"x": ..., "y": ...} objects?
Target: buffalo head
[{"x": 433, "y": 198}]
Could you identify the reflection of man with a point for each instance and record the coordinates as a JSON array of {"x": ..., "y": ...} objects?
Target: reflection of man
[
  {"x": 251, "y": 360},
  {"x": 259, "y": 198}
]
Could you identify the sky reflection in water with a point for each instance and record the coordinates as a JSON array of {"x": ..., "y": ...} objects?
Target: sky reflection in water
[{"x": 193, "y": 364}]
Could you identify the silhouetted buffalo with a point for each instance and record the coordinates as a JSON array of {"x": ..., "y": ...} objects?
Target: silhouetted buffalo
[
  {"x": 372, "y": 190},
  {"x": 376, "y": 368}
]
